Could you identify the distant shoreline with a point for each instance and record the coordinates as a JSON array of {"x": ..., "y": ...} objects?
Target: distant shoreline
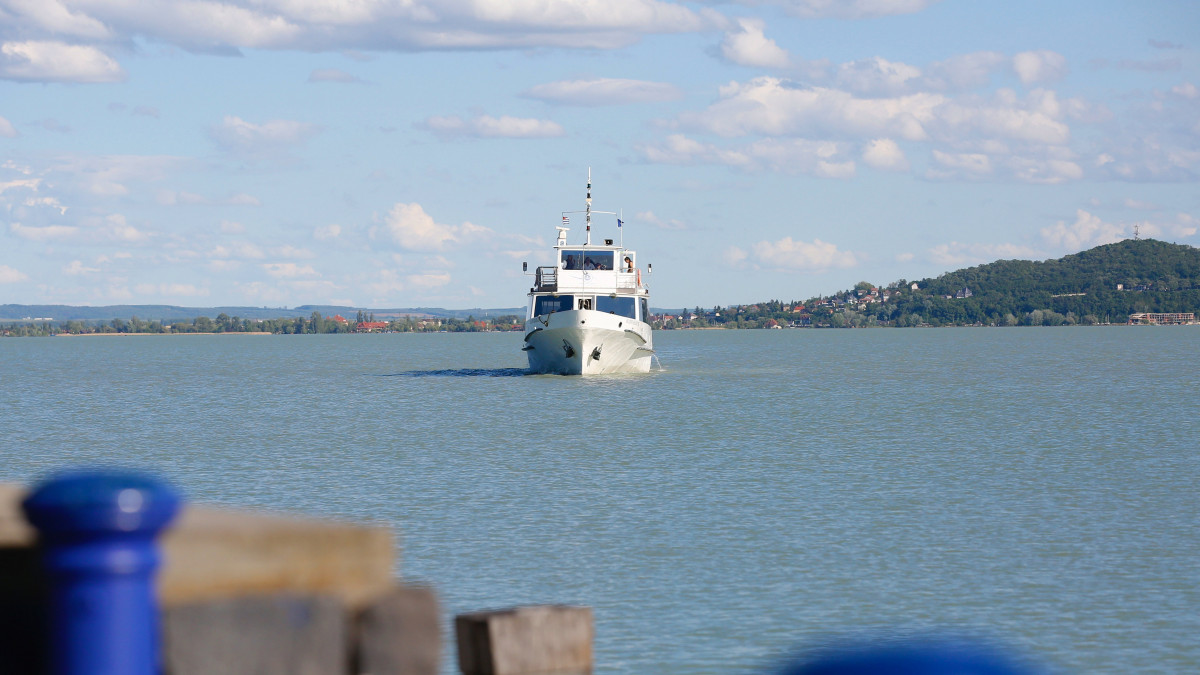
[{"x": 157, "y": 334}]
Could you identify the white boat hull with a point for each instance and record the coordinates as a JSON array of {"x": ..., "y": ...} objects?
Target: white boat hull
[{"x": 587, "y": 342}]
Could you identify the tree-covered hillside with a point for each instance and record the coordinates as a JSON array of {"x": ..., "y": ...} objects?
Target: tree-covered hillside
[
  {"x": 1101, "y": 285},
  {"x": 1131, "y": 263}
]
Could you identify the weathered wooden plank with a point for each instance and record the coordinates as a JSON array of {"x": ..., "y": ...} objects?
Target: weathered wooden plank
[{"x": 526, "y": 641}]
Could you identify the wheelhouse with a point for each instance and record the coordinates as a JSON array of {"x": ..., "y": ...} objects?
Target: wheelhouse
[{"x": 620, "y": 305}]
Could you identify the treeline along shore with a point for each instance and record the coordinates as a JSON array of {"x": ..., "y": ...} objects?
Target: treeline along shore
[
  {"x": 316, "y": 323},
  {"x": 1105, "y": 285}
]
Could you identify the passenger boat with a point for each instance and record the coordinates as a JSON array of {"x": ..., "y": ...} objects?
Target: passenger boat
[{"x": 589, "y": 312}]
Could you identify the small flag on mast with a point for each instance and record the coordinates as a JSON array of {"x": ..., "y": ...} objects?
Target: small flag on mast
[
  {"x": 566, "y": 220},
  {"x": 620, "y": 222}
]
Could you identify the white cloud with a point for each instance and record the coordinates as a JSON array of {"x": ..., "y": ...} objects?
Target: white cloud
[
  {"x": 9, "y": 275},
  {"x": 51, "y": 202},
  {"x": 1036, "y": 119},
  {"x": 486, "y": 126},
  {"x": 1183, "y": 227},
  {"x": 971, "y": 163},
  {"x": 415, "y": 230},
  {"x": 226, "y": 26},
  {"x": 877, "y": 76},
  {"x": 108, "y": 175},
  {"x": 76, "y": 267},
  {"x": 773, "y": 106},
  {"x": 327, "y": 232},
  {"x": 172, "y": 198},
  {"x": 1023, "y": 137},
  {"x": 956, "y": 254},
  {"x": 1138, "y": 204},
  {"x": 232, "y": 227},
  {"x": 1044, "y": 171},
  {"x": 666, "y": 224},
  {"x": 26, "y": 183},
  {"x": 172, "y": 290},
  {"x": 1186, "y": 90},
  {"x": 115, "y": 291},
  {"x": 243, "y": 199},
  {"x": 827, "y": 159},
  {"x": 46, "y": 233},
  {"x": 116, "y": 228},
  {"x": 964, "y": 71},
  {"x": 1039, "y": 66},
  {"x": 241, "y": 250},
  {"x": 800, "y": 255},
  {"x": 289, "y": 251},
  {"x": 52, "y": 61},
  {"x": 603, "y": 91},
  {"x": 6, "y": 129},
  {"x": 237, "y": 135},
  {"x": 332, "y": 75},
  {"x": 428, "y": 280},
  {"x": 849, "y": 9},
  {"x": 1087, "y": 231},
  {"x": 884, "y": 153},
  {"x": 748, "y": 46},
  {"x": 53, "y": 17},
  {"x": 384, "y": 283},
  {"x": 289, "y": 270}
]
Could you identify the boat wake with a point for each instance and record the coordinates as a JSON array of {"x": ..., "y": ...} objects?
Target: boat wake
[{"x": 464, "y": 372}]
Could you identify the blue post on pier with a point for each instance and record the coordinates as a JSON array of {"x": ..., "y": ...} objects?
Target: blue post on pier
[{"x": 97, "y": 532}]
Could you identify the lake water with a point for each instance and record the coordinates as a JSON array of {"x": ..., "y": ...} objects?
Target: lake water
[{"x": 763, "y": 491}]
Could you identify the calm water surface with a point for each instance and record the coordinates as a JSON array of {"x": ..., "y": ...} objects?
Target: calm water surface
[{"x": 764, "y": 490}]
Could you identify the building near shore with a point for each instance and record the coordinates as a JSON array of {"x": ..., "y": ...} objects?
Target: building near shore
[{"x": 1162, "y": 318}]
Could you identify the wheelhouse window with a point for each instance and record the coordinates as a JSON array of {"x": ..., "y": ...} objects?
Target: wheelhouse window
[
  {"x": 619, "y": 306},
  {"x": 588, "y": 260},
  {"x": 645, "y": 310},
  {"x": 545, "y": 304}
]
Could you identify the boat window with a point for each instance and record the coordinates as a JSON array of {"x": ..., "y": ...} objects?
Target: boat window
[
  {"x": 598, "y": 260},
  {"x": 588, "y": 260},
  {"x": 645, "y": 310},
  {"x": 619, "y": 306},
  {"x": 544, "y": 304},
  {"x": 572, "y": 260}
]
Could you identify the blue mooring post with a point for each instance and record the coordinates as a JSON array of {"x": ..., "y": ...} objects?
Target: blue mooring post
[{"x": 97, "y": 533}]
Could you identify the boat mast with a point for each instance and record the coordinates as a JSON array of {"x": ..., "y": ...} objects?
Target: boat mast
[{"x": 589, "y": 207}]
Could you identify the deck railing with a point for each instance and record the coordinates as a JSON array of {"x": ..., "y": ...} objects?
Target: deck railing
[{"x": 546, "y": 279}]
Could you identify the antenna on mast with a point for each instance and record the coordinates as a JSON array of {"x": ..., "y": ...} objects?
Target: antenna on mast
[
  {"x": 589, "y": 207},
  {"x": 1137, "y": 230}
]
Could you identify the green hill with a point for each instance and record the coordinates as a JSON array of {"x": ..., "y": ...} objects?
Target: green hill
[
  {"x": 1154, "y": 264},
  {"x": 1101, "y": 285}
]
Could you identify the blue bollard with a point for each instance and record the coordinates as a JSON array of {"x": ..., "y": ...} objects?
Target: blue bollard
[
  {"x": 97, "y": 531},
  {"x": 913, "y": 657}
]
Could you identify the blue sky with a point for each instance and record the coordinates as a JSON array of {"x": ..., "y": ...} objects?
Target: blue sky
[{"x": 408, "y": 153}]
